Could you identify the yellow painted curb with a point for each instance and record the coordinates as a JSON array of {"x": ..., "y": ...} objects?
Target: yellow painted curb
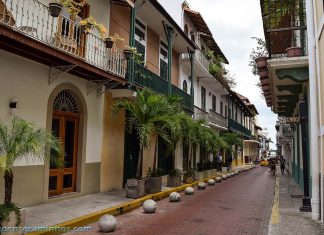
[
  {"x": 115, "y": 210},
  {"x": 274, "y": 219}
]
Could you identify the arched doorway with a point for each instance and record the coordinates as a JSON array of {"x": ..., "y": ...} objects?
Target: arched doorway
[{"x": 65, "y": 126}]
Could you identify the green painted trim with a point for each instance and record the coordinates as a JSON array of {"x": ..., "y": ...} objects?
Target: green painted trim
[
  {"x": 192, "y": 74},
  {"x": 298, "y": 154},
  {"x": 294, "y": 89},
  {"x": 288, "y": 98},
  {"x": 299, "y": 74},
  {"x": 169, "y": 33},
  {"x": 130, "y": 63}
]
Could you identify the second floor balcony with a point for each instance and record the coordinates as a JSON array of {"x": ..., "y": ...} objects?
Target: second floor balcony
[
  {"x": 143, "y": 77},
  {"x": 214, "y": 119},
  {"x": 32, "y": 23},
  {"x": 200, "y": 59},
  {"x": 237, "y": 127}
]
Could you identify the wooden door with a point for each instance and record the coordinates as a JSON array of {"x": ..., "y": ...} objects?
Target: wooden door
[{"x": 65, "y": 127}]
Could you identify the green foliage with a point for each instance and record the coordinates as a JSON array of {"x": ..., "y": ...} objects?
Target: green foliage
[
  {"x": 5, "y": 209},
  {"x": 20, "y": 139},
  {"x": 230, "y": 139},
  {"x": 154, "y": 173},
  {"x": 190, "y": 173},
  {"x": 259, "y": 51},
  {"x": 218, "y": 70},
  {"x": 175, "y": 172}
]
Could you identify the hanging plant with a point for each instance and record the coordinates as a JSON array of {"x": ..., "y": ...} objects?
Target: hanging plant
[{"x": 90, "y": 23}]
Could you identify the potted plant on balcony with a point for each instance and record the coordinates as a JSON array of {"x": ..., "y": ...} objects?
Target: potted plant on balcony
[
  {"x": 73, "y": 7},
  {"x": 89, "y": 24},
  {"x": 111, "y": 40},
  {"x": 26, "y": 141},
  {"x": 294, "y": 51},
  {"x": 258, "y": 56}
]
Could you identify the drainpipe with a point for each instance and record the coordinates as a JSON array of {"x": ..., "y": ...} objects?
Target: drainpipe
[
  {"x": 169, "y": 33},
  {"x": 313, "y": 111}
]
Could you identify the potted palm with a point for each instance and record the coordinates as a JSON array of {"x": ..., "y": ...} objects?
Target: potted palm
[
  {"x": 26, "y": 141},
  {"x": 147, "y": 123},
  {"x": 189, "y": 176},
  {"x": 153, "y": 183},
  {"x": 174, "y": 178}
]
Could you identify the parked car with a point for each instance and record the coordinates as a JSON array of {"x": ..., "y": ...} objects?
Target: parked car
[{"x": 264, "y": 162}]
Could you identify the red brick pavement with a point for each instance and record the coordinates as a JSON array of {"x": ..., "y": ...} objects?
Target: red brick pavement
[{"x": 239, "y": 205}]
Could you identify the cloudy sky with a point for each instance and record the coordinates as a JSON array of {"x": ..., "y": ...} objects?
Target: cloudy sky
[{"x": 233, "y": 23}]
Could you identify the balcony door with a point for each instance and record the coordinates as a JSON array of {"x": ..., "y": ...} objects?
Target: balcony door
[{"x": 65, "y": 126}]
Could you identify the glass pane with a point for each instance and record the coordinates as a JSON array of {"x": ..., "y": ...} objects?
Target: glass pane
[
  {"x": 67, "y": 181},
  {"x": 140, "y": 49},
  {"x": 56, "y": 133},
  {"x": 163, "y": 69},
  {"x": 52, "y": 183},
  {"x": 69, "y": 144}
]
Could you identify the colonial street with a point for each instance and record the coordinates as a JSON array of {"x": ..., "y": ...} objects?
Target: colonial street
[{"x": 239, "y": 205}]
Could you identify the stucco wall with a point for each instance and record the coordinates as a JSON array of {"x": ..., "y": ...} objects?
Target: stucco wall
[{"x": 112, "y": 158}]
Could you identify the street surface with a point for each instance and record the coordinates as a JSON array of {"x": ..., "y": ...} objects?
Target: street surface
[{"x": 239, "y": 205}]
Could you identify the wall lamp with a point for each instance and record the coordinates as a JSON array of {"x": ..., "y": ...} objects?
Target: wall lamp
[{"x": 13, "y": 105}]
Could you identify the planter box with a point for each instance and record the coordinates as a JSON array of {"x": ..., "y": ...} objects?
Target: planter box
[
  {"x": 200, "y": 175},
  {"x": 135, "y": 188},
  {"x": 12, "y": 222},
  {"x": 208, "y": 173},
  {"x": 213, "y": 172},
  {"x": 153, "y": 184},
  {"x": 224, "y": 169},
  {"x": 174, "y": 181},
  {"x": 188, "y": 180}
]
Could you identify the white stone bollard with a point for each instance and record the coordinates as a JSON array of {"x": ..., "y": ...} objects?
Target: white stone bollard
[
  {"x": 201, "y": 186},
  {"x": 233, "y": 174},
  {"x": 174, "y": 197},
  {"x": 211, "y": 182},
  {"x": 189, "y": 191},
  {"x": 228, "y": 175},
  {"x": 149, "y": 206},
  {"x": 107, "y": 223},
  {"x": 224, "y": 177},
  {"x": 218, "y": 179}
]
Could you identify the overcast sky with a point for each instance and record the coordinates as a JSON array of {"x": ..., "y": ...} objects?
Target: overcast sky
[{"x": 233, "y": 23}]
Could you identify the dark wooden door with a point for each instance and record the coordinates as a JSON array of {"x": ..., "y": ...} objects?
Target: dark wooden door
[{"x": 65, "y": 127}]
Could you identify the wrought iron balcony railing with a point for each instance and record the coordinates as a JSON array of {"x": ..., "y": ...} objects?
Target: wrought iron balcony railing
[
  {"x": 212, "y": 117},
  {"x": 145, "y": 78},
  {"x": 235, "y": 126},
  {"x": 200, "y": 57},
  {"x": 32, "y": 18},
  {"x": 284, "y": 26}
]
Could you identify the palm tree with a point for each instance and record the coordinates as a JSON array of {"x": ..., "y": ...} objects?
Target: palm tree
[
  {"x": 232, "y": 138},
  {"x": 20, "y": 139},
  {"x": 147, "y": 116}
]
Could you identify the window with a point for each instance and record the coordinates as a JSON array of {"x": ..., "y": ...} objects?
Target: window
[
  {"x": 214, "y": 103},
  {"x": 185, "y": 86},
  {"x": 229, "y": 113},
  {"x": 186, "y": 29},
  {"x": 203, "y": 98},
  {"x": 221, "y": 108},
  {"x": 192, "y": 35},
  {"x": 225, "y": 110},
  {"x": 140, "y": 39},
  {"x": 163, "y": 60}
]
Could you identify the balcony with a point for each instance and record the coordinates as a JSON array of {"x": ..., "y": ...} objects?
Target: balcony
[
  {"x": 31, "y": 22},
  {"x": 145, "y": 78},
  {"x": 200, "y": 58},
  {"x": 214, "y": 119},
  {"x": 235, "y": 126}
]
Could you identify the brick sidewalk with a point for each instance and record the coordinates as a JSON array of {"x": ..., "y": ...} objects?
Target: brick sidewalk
[
  {"x": 240, "y": 205},
  {"x": 291, "y": 221}
]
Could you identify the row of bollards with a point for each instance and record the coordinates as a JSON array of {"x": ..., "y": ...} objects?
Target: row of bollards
[{"x": 108, "y": 223}]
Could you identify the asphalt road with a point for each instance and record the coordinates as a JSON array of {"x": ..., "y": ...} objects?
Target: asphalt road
[{"x": 239, "y": 205}]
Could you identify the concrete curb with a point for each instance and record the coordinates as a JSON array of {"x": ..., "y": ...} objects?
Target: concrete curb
[{"x": 115, "y": 210}]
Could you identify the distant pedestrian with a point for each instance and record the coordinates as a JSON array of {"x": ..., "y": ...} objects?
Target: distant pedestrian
[
  {"x": 229, "y": 160},
  {"x": 219, "y": 161},
  {"x": 282, "y": 164}
]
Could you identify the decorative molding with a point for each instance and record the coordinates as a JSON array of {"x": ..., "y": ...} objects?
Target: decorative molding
[{"x": 299, "y": 74}]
